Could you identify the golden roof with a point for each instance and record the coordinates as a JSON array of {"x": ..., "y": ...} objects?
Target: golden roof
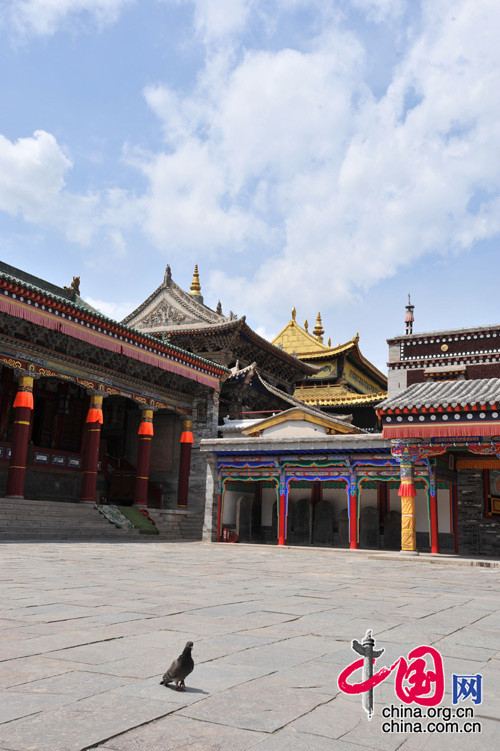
[{"x": 333, "y": 396}]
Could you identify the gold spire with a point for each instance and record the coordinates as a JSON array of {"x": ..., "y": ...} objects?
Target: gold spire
[
  {"x": 294, "y": 313},
  {"x": 330, "y": 342},
  {"x": 318, "y": 330},
  {"x": 195, "y": 288},
  {"x": 306, "y": 325}
]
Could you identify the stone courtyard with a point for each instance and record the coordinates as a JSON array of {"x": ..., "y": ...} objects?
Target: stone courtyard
[{"x": 89, "y": 628}]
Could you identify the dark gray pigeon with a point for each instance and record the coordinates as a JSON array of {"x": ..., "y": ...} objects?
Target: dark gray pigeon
[{"x": 180, "y": 668}]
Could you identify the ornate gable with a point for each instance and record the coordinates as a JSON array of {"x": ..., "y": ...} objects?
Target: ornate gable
[{"x": 169, "y": 307}]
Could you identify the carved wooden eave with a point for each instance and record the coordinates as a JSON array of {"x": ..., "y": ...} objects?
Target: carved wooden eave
[
  {"x": 169, "y": 308},
  {"x": 234, "y": 340}
]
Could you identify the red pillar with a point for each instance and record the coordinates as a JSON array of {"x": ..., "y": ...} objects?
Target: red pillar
[
  {"x": 91, "y": 439},
  {"x": 353, "y": 516},
  {"x": 143, "y": 454},
  {"x": 219, "y": 517},
  {"x": 282, "y": 514},
  {"x": 434, "y": 521},
  {"x": 23, "y": 407},
  {"x": 186, "y": 442}
]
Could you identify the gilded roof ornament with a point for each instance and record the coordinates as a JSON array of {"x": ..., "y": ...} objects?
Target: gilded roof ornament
[
  {"x": 318, "y": 330},
  {"x": 195, "y": 288},
  {"x": 294, "y": 313},
  {"x": 306, "y": 325},
  {"x": 329, "y": 341}
]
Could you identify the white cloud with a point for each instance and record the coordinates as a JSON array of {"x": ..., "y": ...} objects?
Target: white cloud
[
  {"x": 47, "y": 16},
  {"x": 32, "y": 172},
  {"x": 347, "y": 188},
  {"x": 32, "y": 185},
  {"x": 116, "y": 311},
  {"x": 215, "y": 20}
]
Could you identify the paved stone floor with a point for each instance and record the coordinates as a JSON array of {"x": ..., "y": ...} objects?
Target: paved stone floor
[{"x": 88, "y": 629}]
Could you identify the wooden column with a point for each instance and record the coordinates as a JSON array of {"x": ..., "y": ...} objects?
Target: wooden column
[
  {"x": 353, "y": 514},
  {"x": 282, "y": 504},
  {"x": 143, "y": 454},
  {"x": 433, "y": 512},
  {"x": 92, "y": 435},
  {"x": 186, "y": 442},
  {"x": 407, "y": 493},
  {"x": 23, "y": 408}
]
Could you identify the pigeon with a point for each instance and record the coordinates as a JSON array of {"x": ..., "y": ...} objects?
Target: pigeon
[{"x": 180, "y": 669}]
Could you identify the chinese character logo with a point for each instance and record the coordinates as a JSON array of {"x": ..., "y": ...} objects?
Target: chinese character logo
[
  {"x": 419, "y": 677},
  {"x": 467, "y": 685}
]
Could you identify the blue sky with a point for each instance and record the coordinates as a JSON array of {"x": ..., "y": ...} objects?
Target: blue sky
[{"x": 330, "y": 155}]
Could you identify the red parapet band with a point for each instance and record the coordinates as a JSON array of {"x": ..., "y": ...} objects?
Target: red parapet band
[
  {"x": 24, "y": 399},
  {"x": 146, "y": 428},
  {"x": 186, "y": 437},
  {"x": 407, "y": 489},
  {"x": 94, "y": 415}
]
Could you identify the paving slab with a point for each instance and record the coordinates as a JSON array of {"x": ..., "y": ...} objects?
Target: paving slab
[{"x": 90, "y": 628}]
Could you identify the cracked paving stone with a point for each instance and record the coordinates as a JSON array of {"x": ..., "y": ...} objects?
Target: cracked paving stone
[
  {"x": 174, "y": 733},
  {"x": 255, "y": 706},
  {"x": 81, "y": 724}
]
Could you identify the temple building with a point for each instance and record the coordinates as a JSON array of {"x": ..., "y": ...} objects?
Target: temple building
[
  {"x": 344, "y": 381},
  {"x": 262, "y": 376},
  {"x": 430, "y": 482},
  {"x": 96, "y": 410}
]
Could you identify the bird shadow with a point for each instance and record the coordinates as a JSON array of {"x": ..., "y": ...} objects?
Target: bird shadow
[{"x": 187, "y": 690}]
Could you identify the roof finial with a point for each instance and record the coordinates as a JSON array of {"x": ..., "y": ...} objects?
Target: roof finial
[
  {"x": 219, "y": 307},
  {"x": 329, "y": 341},
  {"x": 409, "y": 317},
  {"x": 318, "y": 330},
  {"x": 168, "y": 276},
  {"x": 195, "y": 288},
  {"x": 306, "y": 325},
  {"x": 294, "y": 313}
]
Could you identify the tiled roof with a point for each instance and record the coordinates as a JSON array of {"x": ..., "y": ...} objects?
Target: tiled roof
[
  {"x": 17, "y": 276},
  {"x": 343, "y": 400},
  {"x": 446, "y": 393}
]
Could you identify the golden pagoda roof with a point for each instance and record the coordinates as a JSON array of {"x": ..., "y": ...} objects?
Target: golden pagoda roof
[
  {"x": 295, "y": 339},
  {"x": 299, "y": 342}
]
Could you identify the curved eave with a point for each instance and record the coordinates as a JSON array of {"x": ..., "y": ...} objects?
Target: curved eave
[{"x": 80, "y": 312}]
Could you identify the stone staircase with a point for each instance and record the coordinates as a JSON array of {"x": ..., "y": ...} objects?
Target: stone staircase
[
  {"x": 52, "y": 520},
  {"x": 177, "y": 524}
]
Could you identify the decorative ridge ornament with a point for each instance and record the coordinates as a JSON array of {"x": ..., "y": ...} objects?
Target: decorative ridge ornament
[
  {"x": 318, "y": 330},
  {"x": 195, "y": 288},
  {"x": 294, "y": 314},
  {"x": 409, "y": 317}
]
